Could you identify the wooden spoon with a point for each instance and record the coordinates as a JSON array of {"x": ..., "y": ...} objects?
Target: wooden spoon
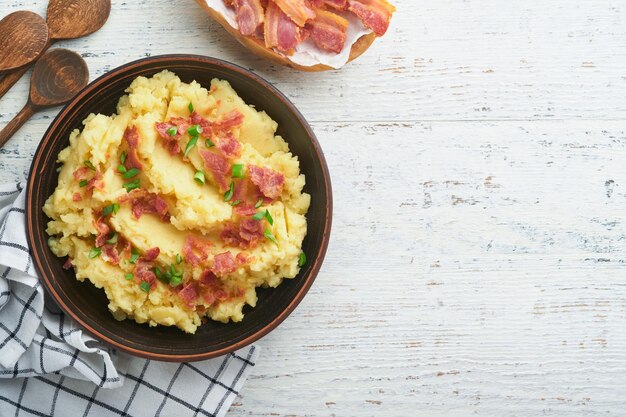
[
  {"x": 57, "y": 77},
  {"x": 67, "y": 19},
  {"x": 23, "y": 37}
]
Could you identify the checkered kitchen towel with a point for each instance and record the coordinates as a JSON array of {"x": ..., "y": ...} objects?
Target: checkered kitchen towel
[{"x": 49, "y": 367}]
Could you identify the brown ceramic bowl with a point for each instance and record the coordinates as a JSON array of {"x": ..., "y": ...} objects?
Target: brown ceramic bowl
[{"x": 88, "y": 305}]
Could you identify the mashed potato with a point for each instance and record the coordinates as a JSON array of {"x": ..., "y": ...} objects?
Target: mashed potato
[{"x": 179, "y": 205}]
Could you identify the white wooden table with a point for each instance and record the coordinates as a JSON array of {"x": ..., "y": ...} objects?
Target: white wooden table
[{"x": 478, "y": 155}]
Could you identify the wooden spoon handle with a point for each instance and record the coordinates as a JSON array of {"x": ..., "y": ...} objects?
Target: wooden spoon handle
[
  {"x": 12, "y": 77},
  {"x": 17, "y": 122}
]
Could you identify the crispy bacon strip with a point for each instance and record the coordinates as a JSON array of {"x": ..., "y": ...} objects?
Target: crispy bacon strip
[
  {"x": 196, "y": 250},
  {"x": 144, "y": 265},
  {"x": 219, "y": 167},
  {"x": 77, "y": 197},
  {"x": 336, "y": 4},
  {"x": 171, "y": 142},
  {"x": 189, "y": 294},
  {"x": 280, "y": 31},
  {"x": 110, "y": 254},
  {"x": 131, "y": 135},
  {"x": 225, "y": 263},
  {"x": 80, "y": 173},
  {"x": 144, "y": 202},
  {"x": 375, "y": 14},
  {"x": 245, "y": 235},
  {"x": 269, "y": 181},
  {"x": 229, "y": 146},
  {"x": 103, "y": 230},
  {"x": 298, "y": 10},
  {"x": 213, "y": 287},
  {"x": 328, "y": 31},
  {"x": 249, "y": 15},
  {"x": 228, "y": 121}
]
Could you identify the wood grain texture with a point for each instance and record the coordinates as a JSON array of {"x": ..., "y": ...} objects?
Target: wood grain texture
[{"x": 477, "y": 261}]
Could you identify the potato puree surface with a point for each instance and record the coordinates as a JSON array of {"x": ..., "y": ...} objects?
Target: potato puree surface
[{"x": 194, "y": 208}]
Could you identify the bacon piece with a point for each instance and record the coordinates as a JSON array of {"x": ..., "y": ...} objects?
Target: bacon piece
[
  {"x": 219, "y": 167},
  {"x": 228, "y": 121},
  {"x": 144, "y": 265},
  {"x": 328, "y": 31},
  {"x": 144, "y": 202},
  {"x": 96, "y": 182},
  {"x": 77, "y": 197},
  {"x": 335, "y": 4},
  {"x": 131, "y": 135},
  {"x": 213, "y": 289},
  {"x": 298, "y": 10},
  {"x": 249, "y": 14},
  {"x": 245, "y": 235},
  {"x": 245, "y": 210},
  {"x": 224, "y": 263},
  {"x": 189, "y": 294},
  {"x": 375, "y": 14},
  {"x": 269, "y": 181},
  {"x": 196, "y": 250},
  {"x": 67, "y": 264},
  {"x": 229, "y": 146},
  {"x": 280, "y": 31},
  {"x": 183, "y": 124},
  {"x": 109, "y": 254},
  {"x": 80, "y": 173},
  {"x": 126, "y": 248},
  {"x": 171, "y": 142},
  {"x": 103, "y": 230}
]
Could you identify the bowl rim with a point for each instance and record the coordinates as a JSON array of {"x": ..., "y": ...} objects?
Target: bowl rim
[{"x": 93, "y": 88}]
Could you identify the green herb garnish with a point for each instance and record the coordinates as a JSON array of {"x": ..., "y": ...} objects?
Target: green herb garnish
[
  {"x": 121, "y": 169},
  {"x": 209, "y": 143},
  {"x": 172, "y": 131},
  {"x": 190, "y": 145},
  {"x": 134, "y": 255},
  {"x": 145, "y": 287},
  {"x": 109, "y": 209},
  {"x": 89, "y": 165},
  {"x": 179, "y": 259},
  {"x": 237, "y": 171},
  {"x": 194, "y": 130},
  {"x": 94, "y": 253},
  {"x": 129, "y": 276},
  {"x": 269, "y": 218},
  {"x": 229, "y": 194},
  {"x": 83, "y": 183},
  {"x": 259, "y": 203},
  {"x": 270, "y": 236},
  {"x": 123, "y": 157},
  {"x": 176, "y": 281},
  {"x": 258, "y": 216},
  {"x": 190, "y": 107},
  {"x": 131, "y": 173},
  {"x": 131, "y": 185},
  {"x": 116, "y": 208},
  {"x": 235, "y": 203},
  {"x": 199, "y": 177},
  {"x": 113, "y": 239},
  {"x": 302, "y": 259}
]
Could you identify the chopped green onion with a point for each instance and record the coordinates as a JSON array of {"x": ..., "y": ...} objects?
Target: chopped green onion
[
  {"x": 113, "y": 239},
  {"x": 131, "y": 185},
  {"x": 194, "y": 130},
  {"x": 190, "y": 107},
  {"x": 108, "y": 209},
  {"x": 179, "y": 259},
  {"x": 94, "y": 253},
  {"x": 229, "y": 194},
  {"x": 173, "y": 271},
  {"x": 269, "y": 218},
  {"x": 190, "y": 145},
  {"x": 134, "y": 256},
  {"x": 235, "y": 203},
  {"x": 160, "y": 275},
  {"x": 123, "y": 157},
  {"x": 129, "y": 276},
  {"x": 270, "y": 236},
  {"x": 116, "y": 208},
  {"x": 259, "y": 203},
  {"x": 302, "y": 259},
  {"x": 83, "y": 183},
  {"x": 258, "y": 216},
  {"x": 172, "y": 131},
  {"x": 145, "y": 287},
  {"x": 237, "y": 171},
  {"x": 199, "y": 177},
  {"x": 89, "y": 165},
  {"x": 121, "y": 169},
  {"x": 176, "y": 281},
  {"x": 131, "y": 173},
  {"x": 209, "y": 143}
]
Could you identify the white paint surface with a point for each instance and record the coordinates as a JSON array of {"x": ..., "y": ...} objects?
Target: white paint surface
[{"x": 477, "y": 261}]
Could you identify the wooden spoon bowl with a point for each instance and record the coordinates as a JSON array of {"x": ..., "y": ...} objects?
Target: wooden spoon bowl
[
  {"x": 71, "y": 19},
  {"x": 57, "y": 77},
  {"x": 23, "y": 37}
]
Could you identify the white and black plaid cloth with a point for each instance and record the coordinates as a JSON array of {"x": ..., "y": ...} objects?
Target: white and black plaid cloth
[{"x": 49, "y": 367}]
